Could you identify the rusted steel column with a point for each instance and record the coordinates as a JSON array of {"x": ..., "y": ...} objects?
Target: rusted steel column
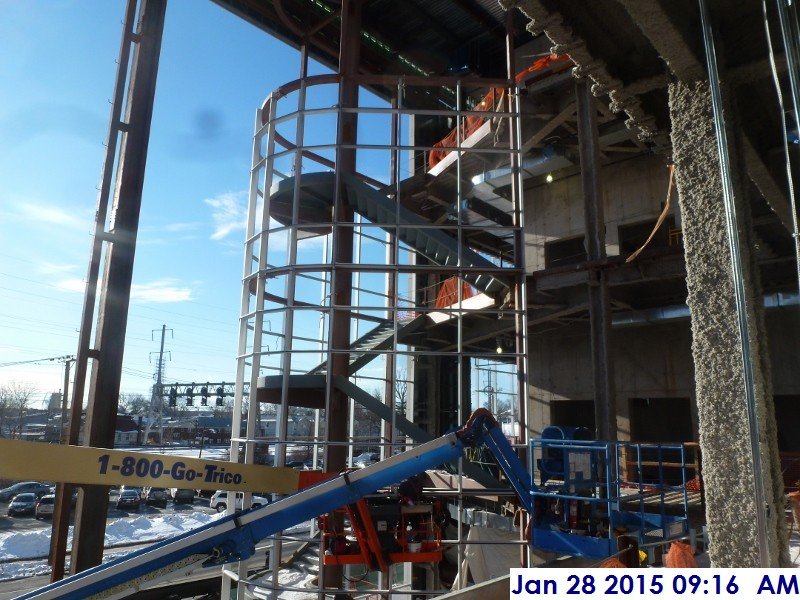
[
  {"x": 337, "y": 413},
  {"x": 605, "y": 402},
  {"x": 342, "y": 279},
  {"x": 101, "y": 414}
]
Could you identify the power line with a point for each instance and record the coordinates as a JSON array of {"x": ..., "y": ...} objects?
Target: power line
[{"x": 38, "y": 360}]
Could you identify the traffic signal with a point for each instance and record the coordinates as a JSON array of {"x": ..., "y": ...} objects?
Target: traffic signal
[
  {"x": 190, "y": 395},
  {"x": 221, "y": 395},
  {"x": 173, "y": 396},
  {"x": 204, "y": 395}
]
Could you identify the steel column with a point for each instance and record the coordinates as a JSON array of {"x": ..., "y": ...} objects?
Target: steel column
[
  {"x": 64, "y": 492},
  {"x": 338, "y": 405},
  {"x": 101, "y": 414},
  {"x": 343, "y": 234},
  {"x": 605, "y": 404}
]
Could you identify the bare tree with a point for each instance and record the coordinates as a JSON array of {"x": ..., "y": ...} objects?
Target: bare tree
[
  {"x": 400, "y": 391},
  {"x": 224, "y": 411},
  {"x": 5, "y": 408},
  {"x": 133, "y": 404},
  {"x": 16, "y": 398}
]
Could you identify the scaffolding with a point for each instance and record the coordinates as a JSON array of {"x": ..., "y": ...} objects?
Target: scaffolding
[{"x": 431, "y": 297}]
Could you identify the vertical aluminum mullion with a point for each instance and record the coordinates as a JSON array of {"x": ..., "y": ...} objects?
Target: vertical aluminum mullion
[
  {"x": 459, "y": 333},
  {"x": 241, "y": 367},
  {"x": 393, "y": 261},
  {"x": 281, "y": 425},
  {"x": 355, "y": 303},
  {"x": 322, "y": 332},
  {"x": 253, "y": 412},
  {"x": 521, "y": 308},
  {"x": 401, "y": 87},
  {"x": 521, "y": 316}
]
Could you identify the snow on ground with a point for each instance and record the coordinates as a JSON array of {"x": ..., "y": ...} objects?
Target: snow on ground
[
  {"x": 138, "y": 530},
  {"x": 141, "y": 529},
  {"x": 209, "y": 452},
  {"x": 297, "y": 582}
]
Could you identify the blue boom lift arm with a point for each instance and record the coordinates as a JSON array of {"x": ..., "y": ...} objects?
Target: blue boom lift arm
[{"x": 234, "y": 537}]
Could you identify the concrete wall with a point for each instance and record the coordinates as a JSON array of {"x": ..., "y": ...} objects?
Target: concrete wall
[
  {"x": 652, "y": 361},
  {"x": 784, "y": 348},
  {"x": 633, "y": 191}
]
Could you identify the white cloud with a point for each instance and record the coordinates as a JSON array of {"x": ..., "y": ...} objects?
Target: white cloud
[
  {"x": 49, "y": 268},
  {"x": 51, "y": 215},
  {"x": 161, "y": 290},
  {"x": 71, "y": 285},
  {"x": 180, "y": 227},
  {"x": 228, "y": 213}
]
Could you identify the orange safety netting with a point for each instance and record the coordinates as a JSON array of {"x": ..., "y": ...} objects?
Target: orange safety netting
[
  {"x": 794, "y": 503},
  {"x": 611, "y": 563},
  {"x": 680, "y": 556},
  {"x": 448, "y": 293},
  {"x": 695, "y": 485},
  {"x": 471, "y": 123}
]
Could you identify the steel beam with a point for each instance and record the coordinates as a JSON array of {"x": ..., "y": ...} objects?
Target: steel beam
[
  {"x": 605, "y": 404},
  {"x": 101, "y": 414}
]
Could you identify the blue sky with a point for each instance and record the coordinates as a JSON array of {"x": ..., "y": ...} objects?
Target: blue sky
[{"x": 57, "y": 67}]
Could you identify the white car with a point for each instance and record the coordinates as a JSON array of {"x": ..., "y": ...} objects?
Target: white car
[
  {"x": 219, "y": 501},
  {"x": 44, "y": 506}
]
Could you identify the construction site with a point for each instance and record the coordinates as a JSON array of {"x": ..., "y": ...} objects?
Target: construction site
[{"x": 550, "y": 247}]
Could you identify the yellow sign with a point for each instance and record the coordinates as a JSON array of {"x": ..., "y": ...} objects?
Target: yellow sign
[{"x": 21, "y": 460}]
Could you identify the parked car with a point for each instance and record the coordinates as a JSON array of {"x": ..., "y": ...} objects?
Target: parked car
[
  {"x": 157, "y": 496},
  {"x": 129, "y": 499},
  {"x": 30, "y": 487},
  {"x": 183, "y": 496},
  {"x": 133, "y": 488},
  {"x": 72, "y": 501},
  {"x": 44, "y": 506},
  {"x": 365, "y": 459},
  {"x": 219, "y": 501},
  {"x": 22, "y": 504}
]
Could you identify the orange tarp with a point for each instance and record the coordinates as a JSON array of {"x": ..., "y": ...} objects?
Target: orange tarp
[
  {"x": 448, "y": 293},
  {"x": 493, "y": 100}
]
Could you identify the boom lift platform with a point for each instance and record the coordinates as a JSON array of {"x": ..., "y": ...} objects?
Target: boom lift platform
[
  {"x": 234, "y": 537},
  {"x": 591, "y": 492}
]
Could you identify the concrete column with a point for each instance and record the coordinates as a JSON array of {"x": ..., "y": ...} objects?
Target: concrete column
[{"x": 719, "y": 374}]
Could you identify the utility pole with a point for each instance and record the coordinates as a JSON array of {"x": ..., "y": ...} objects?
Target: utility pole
[
  {"x": 64, "y": 396},
  {"x": 157, "y": 397},
  {"x": 63, "y": 502}
]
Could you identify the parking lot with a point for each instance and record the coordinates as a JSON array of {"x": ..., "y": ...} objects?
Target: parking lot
[{"x": 30, "y": 523}]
